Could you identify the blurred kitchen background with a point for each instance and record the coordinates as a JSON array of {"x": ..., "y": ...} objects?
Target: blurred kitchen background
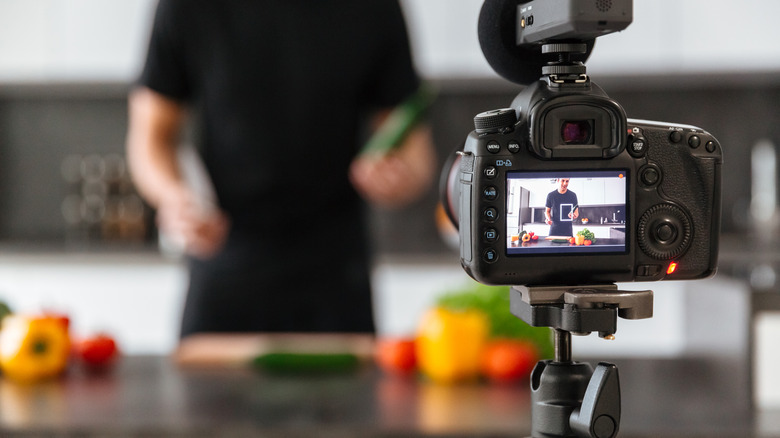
[{"x": 74, "y": 236}]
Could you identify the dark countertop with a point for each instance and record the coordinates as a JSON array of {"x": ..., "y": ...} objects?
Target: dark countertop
[{"x": 150, "y": 396}]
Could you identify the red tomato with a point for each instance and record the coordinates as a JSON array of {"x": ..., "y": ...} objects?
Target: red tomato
[
  {"x": 97, "y": 351},
  {"x": 508, "y": 360},
  {"x": 572, "y": 240},
  {"x": 588, "y": 242},
  {"x": 396, "y": 355},
  {"x": 534, "y": 237}
]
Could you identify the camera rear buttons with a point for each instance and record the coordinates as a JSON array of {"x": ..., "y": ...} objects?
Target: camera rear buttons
[
  {"x": 493, "y": 147},
  {"x": 490, "y": 214},
  {"x": 490, "y": 172},
  {"x": 650, "y": 175},
  {"x": 490, "y": 193},
  {"x": 490, "y": 235},
  {"x": 664, "y": 231},
  {"x": 490, "y": 255},
  {"x": 637, "y": 147}
]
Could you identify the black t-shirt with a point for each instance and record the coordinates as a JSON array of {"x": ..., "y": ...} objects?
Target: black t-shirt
[
  {"x": 279, "y": 89},
  {"x": 561, "y": 205}
]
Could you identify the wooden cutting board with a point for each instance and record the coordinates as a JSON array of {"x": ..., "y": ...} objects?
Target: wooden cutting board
[{"x": 239, "y": 349}]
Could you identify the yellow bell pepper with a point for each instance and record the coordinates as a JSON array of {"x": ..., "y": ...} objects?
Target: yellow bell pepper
[
  {"x": 33, "y": 348},
  {"x": 449, "y": 343}
]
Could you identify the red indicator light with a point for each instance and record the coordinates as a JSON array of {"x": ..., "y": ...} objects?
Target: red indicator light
[{"x": 672, "y": 267}]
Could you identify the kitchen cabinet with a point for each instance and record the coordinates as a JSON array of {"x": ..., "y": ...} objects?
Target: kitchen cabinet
[
  {"x": 614, "y": 194},
  {"x": 589, "y": 191},
  {"x": 136, "y": 297}
]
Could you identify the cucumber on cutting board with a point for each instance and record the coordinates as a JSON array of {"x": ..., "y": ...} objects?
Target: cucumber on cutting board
[{"x": 284, "y": 362}]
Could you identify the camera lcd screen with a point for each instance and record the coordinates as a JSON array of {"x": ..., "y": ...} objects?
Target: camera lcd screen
[{"x": 566, "y": 212}]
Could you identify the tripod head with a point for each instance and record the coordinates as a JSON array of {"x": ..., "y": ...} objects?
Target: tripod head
[{"x": 570, "y": 399}]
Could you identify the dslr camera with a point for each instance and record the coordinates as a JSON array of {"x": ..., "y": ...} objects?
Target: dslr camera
[{"x": 562, "y": 188}]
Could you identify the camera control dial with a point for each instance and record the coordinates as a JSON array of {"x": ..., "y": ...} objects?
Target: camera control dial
[
  {"x": 664, "y": 232},
  {"x": 495, "y": 121}
]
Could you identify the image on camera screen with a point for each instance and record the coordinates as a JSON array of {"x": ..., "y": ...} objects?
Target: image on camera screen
[{"x": 566, "y": 212}]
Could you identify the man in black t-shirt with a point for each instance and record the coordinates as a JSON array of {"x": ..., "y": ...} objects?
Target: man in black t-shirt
[
  {"x": 561, "y": 209},
  {"x": 278, "y": 92}
]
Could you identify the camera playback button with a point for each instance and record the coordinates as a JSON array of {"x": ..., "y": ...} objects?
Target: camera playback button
[{"x": 490, "y": 235}]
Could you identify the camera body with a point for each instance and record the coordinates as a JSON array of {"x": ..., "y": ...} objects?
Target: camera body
[{"x": 646, "y": 195}]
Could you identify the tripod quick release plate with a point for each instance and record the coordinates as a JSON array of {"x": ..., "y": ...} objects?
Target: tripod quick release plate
[{"x": 579, "y": 309}]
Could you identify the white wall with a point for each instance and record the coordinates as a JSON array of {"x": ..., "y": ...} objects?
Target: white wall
[
  {"x": 667, "y": 36},
  {"x": 82, "y": 40},
  {"x": 72, "y": 40}
]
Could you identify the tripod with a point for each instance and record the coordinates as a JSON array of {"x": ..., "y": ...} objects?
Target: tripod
[{"x": 571, "y": 399}]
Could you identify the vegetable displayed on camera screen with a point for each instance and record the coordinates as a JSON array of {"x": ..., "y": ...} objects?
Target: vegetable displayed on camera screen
[{"x": 565, "y": 212}]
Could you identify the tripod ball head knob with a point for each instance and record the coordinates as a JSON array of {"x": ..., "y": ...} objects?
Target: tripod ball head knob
[
  {"x": 571, "y": 399},
  {"x": 599, "y": 414}
]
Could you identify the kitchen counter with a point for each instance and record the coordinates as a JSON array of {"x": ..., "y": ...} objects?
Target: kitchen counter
[{"x": 151, "y": 396}]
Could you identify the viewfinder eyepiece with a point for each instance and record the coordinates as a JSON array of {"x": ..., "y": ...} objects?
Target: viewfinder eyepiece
[{"x": 577, "y": 131}]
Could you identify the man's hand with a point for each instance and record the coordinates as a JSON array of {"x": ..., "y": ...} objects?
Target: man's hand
[
  {"x": 153, "y": 136},
  {"x": 198, "y": 229},
  {"x": 401, "y": 176}
]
